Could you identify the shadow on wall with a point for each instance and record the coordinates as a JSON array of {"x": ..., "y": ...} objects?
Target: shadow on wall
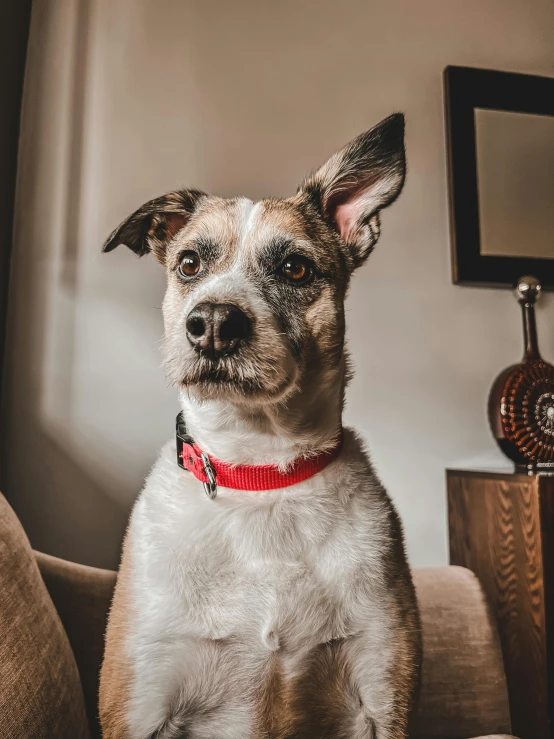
[
  {"x": 58, "y": 485},
  {"x": 71, "y": 516}
]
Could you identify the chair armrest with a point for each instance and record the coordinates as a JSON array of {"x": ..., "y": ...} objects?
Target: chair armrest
[
  {"x": 463, "y": 690},
  {"x": 82, "y": 597}
]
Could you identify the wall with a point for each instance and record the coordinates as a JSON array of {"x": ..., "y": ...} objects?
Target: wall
[{"x": 127, "y": 100}]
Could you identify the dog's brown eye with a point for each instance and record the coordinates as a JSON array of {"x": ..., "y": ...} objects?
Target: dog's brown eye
[
  {"x": 297, "y": 269},
  {"x": 189, "y": 265}
]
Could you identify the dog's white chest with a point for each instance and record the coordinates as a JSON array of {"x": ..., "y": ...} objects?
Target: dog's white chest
[
  {"x": 276, "y": 603},
  {"x": 268, "y": 575}
]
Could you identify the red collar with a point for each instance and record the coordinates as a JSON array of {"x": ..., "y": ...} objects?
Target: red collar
[{"x": 212, "y": 472}]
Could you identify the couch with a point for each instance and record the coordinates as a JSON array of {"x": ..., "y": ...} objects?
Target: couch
[{"x": 53, "y": 617}]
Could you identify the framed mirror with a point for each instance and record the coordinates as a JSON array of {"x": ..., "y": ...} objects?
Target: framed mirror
[{"x": 500, "y": 141}]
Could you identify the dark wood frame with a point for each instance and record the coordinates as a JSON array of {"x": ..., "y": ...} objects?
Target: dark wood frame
[{"x": 465, "y": 90}]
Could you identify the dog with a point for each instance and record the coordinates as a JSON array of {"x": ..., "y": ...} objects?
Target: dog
[{"x": 264, "y": 591}]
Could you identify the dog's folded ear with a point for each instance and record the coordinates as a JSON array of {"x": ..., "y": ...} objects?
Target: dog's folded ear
[
  {"x": 358, "y": 181},
  {"x": 154, "y": 224}
]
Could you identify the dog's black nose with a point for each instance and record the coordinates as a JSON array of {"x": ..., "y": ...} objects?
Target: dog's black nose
[{"x": 215, "y": 329}]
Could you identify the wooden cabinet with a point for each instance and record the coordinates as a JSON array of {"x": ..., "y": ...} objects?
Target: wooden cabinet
[{"x": 501, "y": 526}]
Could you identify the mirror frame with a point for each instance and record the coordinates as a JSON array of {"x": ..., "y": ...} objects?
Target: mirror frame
[{"x": 465, "y": 90}]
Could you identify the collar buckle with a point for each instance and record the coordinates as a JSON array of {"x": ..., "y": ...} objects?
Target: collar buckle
[{"x": 210, "y": 487}]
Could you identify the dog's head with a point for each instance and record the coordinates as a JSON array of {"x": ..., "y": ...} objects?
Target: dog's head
[{"x": 255, "y": 297}]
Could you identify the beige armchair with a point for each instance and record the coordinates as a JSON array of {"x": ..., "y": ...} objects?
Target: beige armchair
[{"x": 53, "y": 616}]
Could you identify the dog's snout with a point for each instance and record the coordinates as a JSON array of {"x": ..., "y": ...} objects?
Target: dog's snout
[{"x": 217, "y": 329}]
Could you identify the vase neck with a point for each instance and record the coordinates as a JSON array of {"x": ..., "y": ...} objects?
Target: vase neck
[{"x": 530, "y": 331}]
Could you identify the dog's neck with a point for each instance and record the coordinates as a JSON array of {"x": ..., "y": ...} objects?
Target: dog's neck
[{"x": 309, "y": 420}]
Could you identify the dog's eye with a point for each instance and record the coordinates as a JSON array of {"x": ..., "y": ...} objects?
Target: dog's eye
[
  {"x": 297, "y": 269},
  {"x": 189, "y": 266}
]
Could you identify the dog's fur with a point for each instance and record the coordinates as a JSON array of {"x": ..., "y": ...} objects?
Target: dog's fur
[{"x": 286, "y": 614}]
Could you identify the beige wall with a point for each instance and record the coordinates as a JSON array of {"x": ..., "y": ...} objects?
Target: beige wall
[{"x": 126, "y": 100}]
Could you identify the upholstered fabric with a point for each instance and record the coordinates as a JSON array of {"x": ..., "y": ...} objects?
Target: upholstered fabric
[
  {"x": 82, "y": 597},
  {"x": 464, "y": 691},
  {"x": 40, "y": 691}
]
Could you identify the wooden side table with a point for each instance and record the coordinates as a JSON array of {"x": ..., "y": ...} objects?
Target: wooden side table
[{"x": 501, "y": 526}]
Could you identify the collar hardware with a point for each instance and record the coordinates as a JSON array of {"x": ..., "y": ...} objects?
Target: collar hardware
[
  {"x": 191, "y": 457},
  {"x": 210, "y": 486}
]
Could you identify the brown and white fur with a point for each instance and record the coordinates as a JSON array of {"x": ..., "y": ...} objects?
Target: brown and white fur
[{"x": 286, "y": 614}]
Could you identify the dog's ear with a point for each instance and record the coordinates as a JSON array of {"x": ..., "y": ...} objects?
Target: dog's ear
[
  {"x": 153, "y": 225},
  {"x": 358, "y": 181}
]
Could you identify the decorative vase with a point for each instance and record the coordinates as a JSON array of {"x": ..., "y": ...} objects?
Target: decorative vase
[{"x": 521, "y": 401}]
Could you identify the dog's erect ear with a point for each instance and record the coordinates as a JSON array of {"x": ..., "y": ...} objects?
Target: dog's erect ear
[
  {"x": 360, "y": 180},
  {"x": 153, "y": 225}
]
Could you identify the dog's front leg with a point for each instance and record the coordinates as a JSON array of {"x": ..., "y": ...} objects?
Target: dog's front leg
[
  {"x": 140, "y": 673},
  {"x": 383, "y": 666}
]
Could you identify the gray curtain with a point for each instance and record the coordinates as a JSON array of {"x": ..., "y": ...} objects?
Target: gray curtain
[{"x": 15, "y": 16}]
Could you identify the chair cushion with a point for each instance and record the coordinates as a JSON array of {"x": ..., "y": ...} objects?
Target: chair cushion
[{"x": 40, "y": 690}]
